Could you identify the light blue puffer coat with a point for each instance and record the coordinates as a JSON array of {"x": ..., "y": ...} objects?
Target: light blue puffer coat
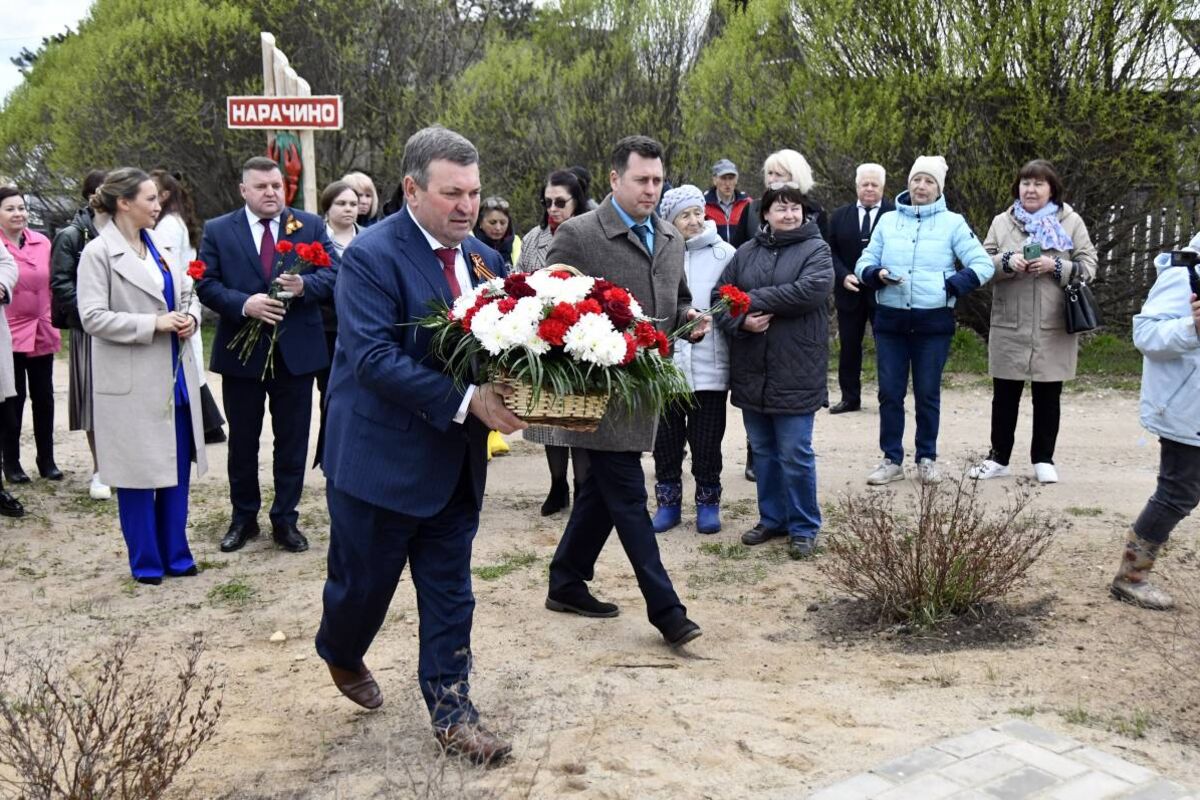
[
  {"x": 920, "y": 244},
  {"x": 1165, "y": 333}
]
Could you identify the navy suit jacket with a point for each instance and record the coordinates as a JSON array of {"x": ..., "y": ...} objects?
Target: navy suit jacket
[
  {"x": 234, "y": 272},
  {"x": 390, "y": 438},
  {"x": 846, "y": 245}
]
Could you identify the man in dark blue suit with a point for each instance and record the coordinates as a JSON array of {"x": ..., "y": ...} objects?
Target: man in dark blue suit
[
  {"x": 239, "y": 250},
  {"x": 850, "y": 229},
  {"x": 405, "y": 449}
]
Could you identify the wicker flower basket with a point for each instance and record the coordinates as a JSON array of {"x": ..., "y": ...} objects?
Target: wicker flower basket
[{"x": 574, "y": 412}]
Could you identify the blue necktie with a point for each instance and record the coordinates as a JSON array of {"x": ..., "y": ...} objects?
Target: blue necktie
[{"x": 643, "y": 234}]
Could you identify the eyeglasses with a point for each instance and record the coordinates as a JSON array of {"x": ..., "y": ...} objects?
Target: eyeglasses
[
  {"x": 557, "y": 202},
  {"x": 495, "y": 203},
  {"x": 775, "y": 187}
]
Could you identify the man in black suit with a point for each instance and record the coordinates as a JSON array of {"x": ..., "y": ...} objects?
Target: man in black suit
[
  {"x": 850, "y": 229},
  {"x": 240, "y": 252}
]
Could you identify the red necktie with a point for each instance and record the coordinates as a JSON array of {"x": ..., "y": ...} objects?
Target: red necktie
[
  {"x": 448, "y": 255},
  {"x": 266, "y": 253}
]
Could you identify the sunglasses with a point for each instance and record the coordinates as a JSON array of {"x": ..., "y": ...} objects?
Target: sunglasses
[
  {"x": 775, "y": 187},
  {"x": 495, "y": 204},
  {"x": 557, "y": 202}
]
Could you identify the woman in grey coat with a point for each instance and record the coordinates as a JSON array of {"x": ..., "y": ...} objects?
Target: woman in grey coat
[
  {"x": 701, "y": 425},
  {"x": 778, "y": 355}
]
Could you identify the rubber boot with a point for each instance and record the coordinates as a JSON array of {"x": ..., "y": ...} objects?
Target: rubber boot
[
  {"x": 708, "y": 508},
  {"x": 1131, "y": 583},
  {"x": 670, "y": 505}
]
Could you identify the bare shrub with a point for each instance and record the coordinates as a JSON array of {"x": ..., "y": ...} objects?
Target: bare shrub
[
  {"x": 938, "y": 555},
  {"x": 116, "y": 734}
]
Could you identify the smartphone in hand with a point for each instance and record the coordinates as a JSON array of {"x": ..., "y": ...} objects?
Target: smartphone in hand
[
  {"x": 892, "y": 280},
  {"x": 1031, "y": 251}
]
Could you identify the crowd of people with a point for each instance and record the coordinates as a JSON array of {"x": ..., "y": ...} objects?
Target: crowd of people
[{"x": 127, "y": 282}]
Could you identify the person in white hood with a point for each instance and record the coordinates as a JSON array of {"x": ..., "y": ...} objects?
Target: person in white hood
[{"x": 1167, "y": 332}]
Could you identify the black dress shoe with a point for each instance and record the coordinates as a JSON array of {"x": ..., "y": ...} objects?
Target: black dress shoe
[
  {"x": 682, "y": 632},
  {"x": 758, "y": 535},
  {"x": 843, "y": 407},
  {"x": 289, "y": 537},
  {"x": 149, "y": 580},
  {"x": 49, "y": 470},
  {"x": 10, "y": 506},
  {"x": 14, "y": 473},
  {"x": 584, "y": 605},
  {"x": 558, "y": 499},
  {"x": 239, "y": 533}
]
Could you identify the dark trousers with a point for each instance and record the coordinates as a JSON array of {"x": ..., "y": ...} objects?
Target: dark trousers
[
  {"x": 368, "y": 549},
  {"x": 557, "y": 458},
  {"x": 895, "y": 355},
  {"x": 36, "y": 373},
  {"x": 290, "y": 401},
  {"x": 1006, "y": 404},
  {"x": 852, "y": 327},
  {"x": 1177, "y": 493},
  {"x": 700, "y": 426},
  {"x": 614, "y": 495},
  {"x": 154, "y": 521}
]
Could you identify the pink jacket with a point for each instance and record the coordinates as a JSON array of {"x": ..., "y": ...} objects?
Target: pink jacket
[{"x": 29, "y": 311}]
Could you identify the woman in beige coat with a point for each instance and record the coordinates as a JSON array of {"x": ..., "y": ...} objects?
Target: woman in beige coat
[
  {"x": 1029, "y": 339},
  {"x": 9, "y": 505},
  {"x": 137, "y": 303}
]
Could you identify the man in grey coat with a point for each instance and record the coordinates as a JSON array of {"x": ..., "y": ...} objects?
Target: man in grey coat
[{"x": 625, "y": 242}]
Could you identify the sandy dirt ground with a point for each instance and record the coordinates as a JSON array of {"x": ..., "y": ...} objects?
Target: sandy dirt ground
[{"x": 784, "y": 693}]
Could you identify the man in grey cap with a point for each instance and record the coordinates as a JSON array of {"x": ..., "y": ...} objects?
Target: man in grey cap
[{"x": 723, "y": 203}]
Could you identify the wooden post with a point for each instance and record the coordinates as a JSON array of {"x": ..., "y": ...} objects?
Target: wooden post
[
  {"x": 280, "y": 80},
  {"x": 308, "y": 154},
  {"x": 268, "y": 62}
]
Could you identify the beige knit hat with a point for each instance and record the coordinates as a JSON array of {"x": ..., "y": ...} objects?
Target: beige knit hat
[{"x": 933, "y": 166}]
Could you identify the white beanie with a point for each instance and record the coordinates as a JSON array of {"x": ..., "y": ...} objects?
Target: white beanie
[
  {"x": 680, "y": 199},
  {"x": 933, "y": 166}
]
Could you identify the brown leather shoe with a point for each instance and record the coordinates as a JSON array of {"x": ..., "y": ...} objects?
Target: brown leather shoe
[
  {"x": 474, "y": 742},
  {"x": 358, "y": 686}
]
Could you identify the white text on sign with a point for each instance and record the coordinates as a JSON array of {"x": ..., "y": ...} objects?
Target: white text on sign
[{"x": 322, "y": 112}]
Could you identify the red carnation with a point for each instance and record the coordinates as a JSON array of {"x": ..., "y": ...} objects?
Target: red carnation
[
  {"x": 617, "y": 295},
  {"x": 599, "y": 288},
  {"x": 196, "y": 270},
  {"x": 516, "y": 286},
  {"x": 284, "y": 247},
  {"x": 304, "y": 251},
  {"x": 664, "y": 344},
  {"x": 566, "y": 313},
  {"x": 561, "y": 273},
  {"x": 507, "y": 304},
  {"x": 552, "y": 330},
  {"x": 645, "y": 334},
  {"x": 317, "y": 255},
  {"x": 631, "y": 348},
  {"x": 619, "y": 313},
  {"x": 588, "y": 306},
  {"x": 739, "y": 301}
]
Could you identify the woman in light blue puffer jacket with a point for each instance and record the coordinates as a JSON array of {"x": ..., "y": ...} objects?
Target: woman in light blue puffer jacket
[
  {"x": 910, "y": 262},
  {"x": 1167, "y": 332}
]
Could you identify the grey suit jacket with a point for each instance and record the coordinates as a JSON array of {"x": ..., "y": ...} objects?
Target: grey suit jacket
[{"x": 600, "y": 244}]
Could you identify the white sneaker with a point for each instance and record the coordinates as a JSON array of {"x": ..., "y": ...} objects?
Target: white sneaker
[
  {"x": 988, "y": 469},
  {"x": 927, "y": 471},
  {"x": 1045, "y": 473},
  {"x": 98, "y": 490},
  {"x": 886, "y": 472}
]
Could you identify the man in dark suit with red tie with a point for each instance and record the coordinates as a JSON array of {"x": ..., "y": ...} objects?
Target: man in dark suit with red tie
[
  {"x": 850, "y": 230},
  {"x": 240, "y": 255},
  {"x": 406, "y": 449}
]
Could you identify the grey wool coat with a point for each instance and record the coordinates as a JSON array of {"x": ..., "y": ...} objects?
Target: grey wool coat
[
  {"x": 8, "y": 279},
  {"x": 132, "y": 367},
  {"x": 601, "y": 245}
]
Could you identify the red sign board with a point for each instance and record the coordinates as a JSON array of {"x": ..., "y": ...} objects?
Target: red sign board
[{"x": 320, "y": 113}]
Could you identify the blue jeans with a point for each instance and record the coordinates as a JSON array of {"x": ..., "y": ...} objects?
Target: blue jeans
[
  {"x": 787, "y": 472},
  {"x": 894, "y": 354}
]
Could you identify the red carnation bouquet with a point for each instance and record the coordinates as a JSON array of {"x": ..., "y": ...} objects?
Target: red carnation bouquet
[
  {"x": 563, "y": 334},
  {"x": 246, "y": 340}
]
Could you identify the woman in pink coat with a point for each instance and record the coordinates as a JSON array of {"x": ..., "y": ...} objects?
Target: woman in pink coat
[{"x": 35, "y": 341}]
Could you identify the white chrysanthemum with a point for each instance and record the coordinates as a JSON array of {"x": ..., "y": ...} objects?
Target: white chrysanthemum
[
  {"x": 636, "y": 308},
  {"x": 485, "y": 327},
  {"x": 465, "y": 300},
  {"x": 594, "y": 340},
  {"x": 560, "y": 290}
]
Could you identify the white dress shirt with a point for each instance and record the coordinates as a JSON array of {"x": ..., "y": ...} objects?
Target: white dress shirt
[
  {"x": 256, "y": 228},
  {"x": 464, "y": 283},
  {"x": 872, "y": 213}
]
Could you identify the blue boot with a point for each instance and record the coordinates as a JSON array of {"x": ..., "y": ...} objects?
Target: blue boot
[
  {"x": 670, "y": 505},
  {"x": 708, "y": 508}
]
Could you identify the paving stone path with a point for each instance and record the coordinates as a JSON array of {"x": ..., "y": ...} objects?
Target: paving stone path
[{"x": 1010, "y": 761}]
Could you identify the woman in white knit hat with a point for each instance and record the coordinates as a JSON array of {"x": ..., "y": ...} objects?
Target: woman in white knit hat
[
  {"x": 910, "y": 261},
  {"x": 706, "y": 365}
]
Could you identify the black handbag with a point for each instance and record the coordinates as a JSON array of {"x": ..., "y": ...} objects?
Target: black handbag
[{"x": 1083, "y": 314}]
